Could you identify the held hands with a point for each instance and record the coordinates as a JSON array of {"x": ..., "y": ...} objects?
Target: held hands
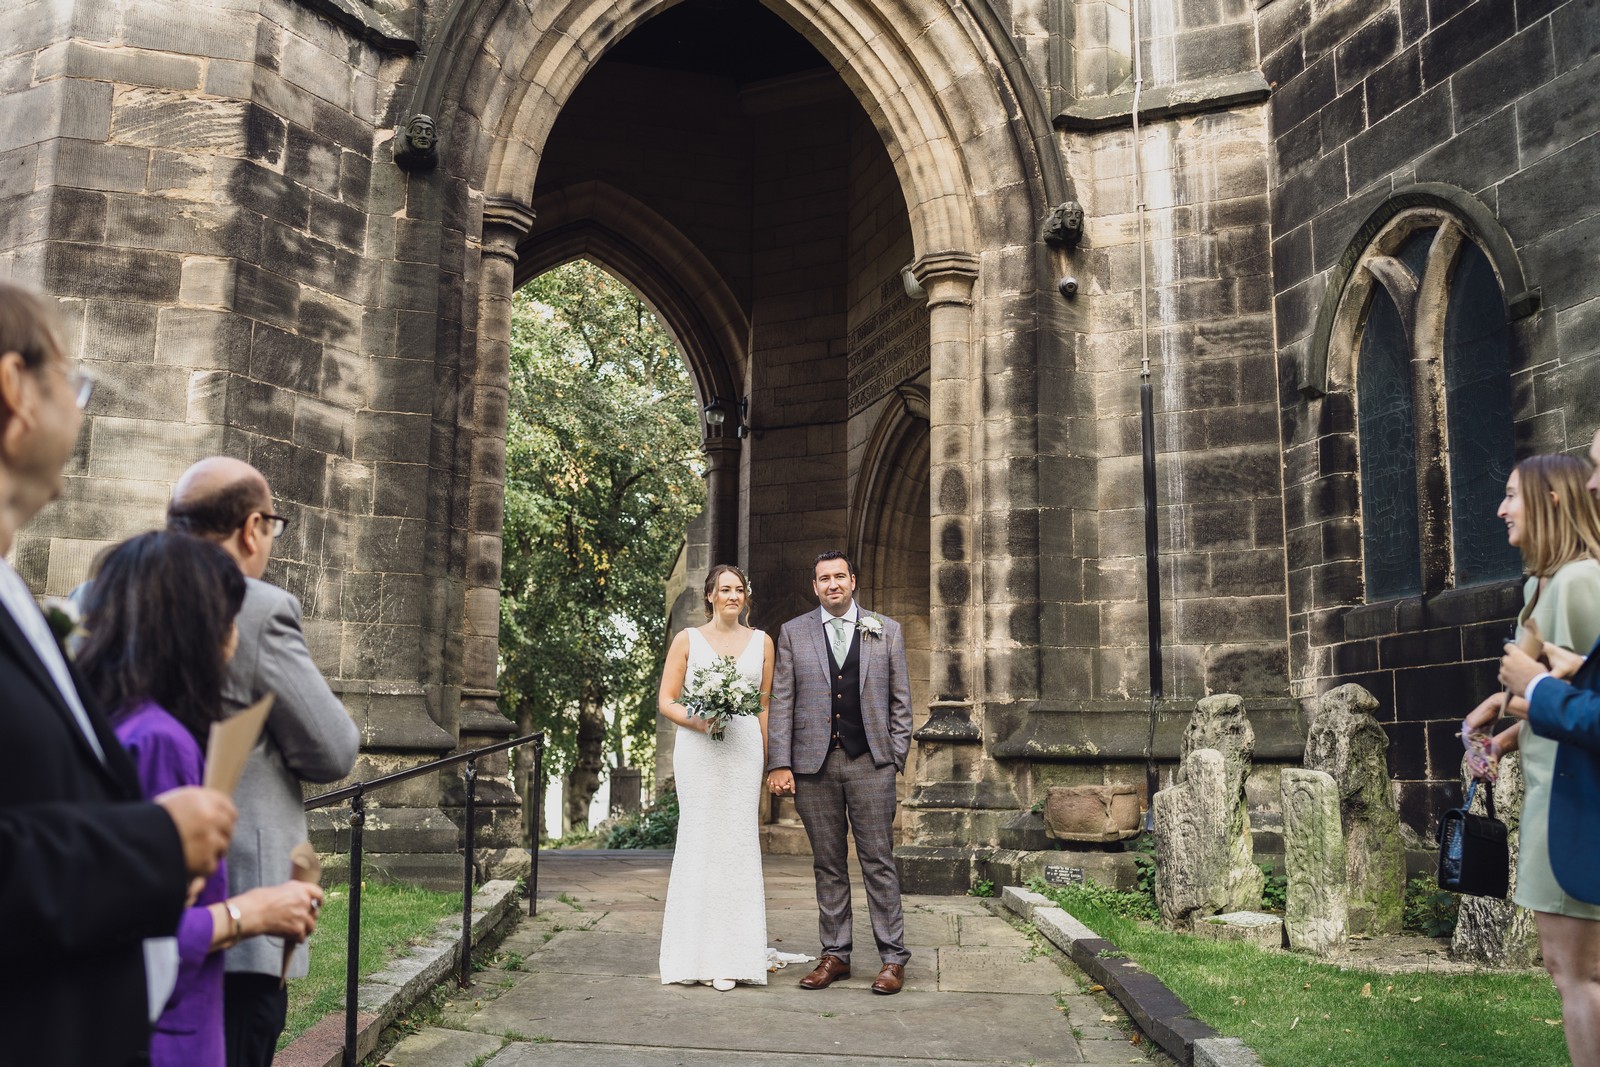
[
  {"x": 204, "y": 819},
  {"x": 1517, "y": 669},
  {"x": 781, "y": 782},
  {"x": 1563, "y": 664}
]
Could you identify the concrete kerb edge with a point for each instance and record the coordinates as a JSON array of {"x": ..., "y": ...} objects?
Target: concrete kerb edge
[
  {"x": 1153, "y": 1007},
  {"x": 405, "y": 980}
]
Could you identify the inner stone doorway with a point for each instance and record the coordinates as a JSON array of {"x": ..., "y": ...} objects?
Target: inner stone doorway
[{"x": 747, "y": 196}]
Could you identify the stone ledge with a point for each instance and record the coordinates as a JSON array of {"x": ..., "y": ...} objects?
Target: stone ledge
[
  {"x": 365, "y": 23},
  {"x": 1154, "y": 1008},
  {"x": 397, "y": 988},
  {"x": 1166, "y": 102},
  {"x": 1099, "y": 732}
]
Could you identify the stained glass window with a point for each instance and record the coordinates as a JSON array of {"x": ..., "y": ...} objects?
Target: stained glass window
[
  {"x": 1477, "y": 351},
  {"x": 1476, "y": 360},
  {"x": 1387, "y": 426}
]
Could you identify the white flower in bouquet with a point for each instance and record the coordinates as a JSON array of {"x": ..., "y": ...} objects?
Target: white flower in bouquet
[{"x": 718, "y": 693}]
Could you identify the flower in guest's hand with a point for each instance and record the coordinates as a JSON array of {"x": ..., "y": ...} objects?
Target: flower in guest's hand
[{"x": 870, "y": 625}]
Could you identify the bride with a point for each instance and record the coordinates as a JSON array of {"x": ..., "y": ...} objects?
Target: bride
[{"x": 714, "y": 929}]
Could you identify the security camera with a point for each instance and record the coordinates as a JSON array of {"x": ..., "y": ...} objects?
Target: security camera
[{"x": 1069, "y": 286}]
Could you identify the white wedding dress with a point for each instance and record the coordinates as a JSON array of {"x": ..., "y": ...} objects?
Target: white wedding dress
[{"x": 715, "y": 922}]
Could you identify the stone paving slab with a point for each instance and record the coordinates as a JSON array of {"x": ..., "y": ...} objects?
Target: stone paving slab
[
  {"x": 1000, "y": 970},
  {"x": 841, "y": 1019},
  {"x": 930, "y": 927},
  {"x": 987, "y": 931},
  {"x": 438, "y": 1047},
  {"x": 561, "y": 1054},
  {"x": 580, "y": 988}
]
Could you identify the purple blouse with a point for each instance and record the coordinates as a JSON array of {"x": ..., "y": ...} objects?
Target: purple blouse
[{"x": 189, "y": 1032}]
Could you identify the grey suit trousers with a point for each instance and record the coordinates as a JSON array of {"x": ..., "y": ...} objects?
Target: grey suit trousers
[{"x": 855, "y": 796}]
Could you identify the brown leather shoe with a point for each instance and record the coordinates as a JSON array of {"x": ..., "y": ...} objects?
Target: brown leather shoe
[
  {"x": 829, "y": 970},
  {"x": 890, "y": 979}
]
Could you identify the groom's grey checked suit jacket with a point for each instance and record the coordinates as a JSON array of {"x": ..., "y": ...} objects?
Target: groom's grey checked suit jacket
[
  {"x": 836, "y": 796},
  {"x": 800, "y": 721}
]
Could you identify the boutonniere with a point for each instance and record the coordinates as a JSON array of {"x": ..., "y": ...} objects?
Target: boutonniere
[
  {"x": 870, "y": 625},
  {"x": 66, "y": 622}
]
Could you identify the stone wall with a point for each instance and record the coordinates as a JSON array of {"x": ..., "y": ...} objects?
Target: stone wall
[
  {"x": 1370, "y": 99},
  {"x": 242, "y": 263}
]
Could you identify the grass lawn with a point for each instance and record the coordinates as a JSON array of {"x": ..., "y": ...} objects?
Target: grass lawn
[
  {"x": 1298, "y": 1013},
  {"x": 392, "y": 917}
]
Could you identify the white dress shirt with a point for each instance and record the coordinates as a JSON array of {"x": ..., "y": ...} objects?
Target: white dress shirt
[{"x": 850, "y": 614}]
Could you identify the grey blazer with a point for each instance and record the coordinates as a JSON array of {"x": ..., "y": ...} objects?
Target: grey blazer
[
  {"x": 308, "y": 737},
  {"x": 800, "y": 716}
]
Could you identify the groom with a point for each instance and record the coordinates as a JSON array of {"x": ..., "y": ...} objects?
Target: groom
[{"x": 839, "y": 727}]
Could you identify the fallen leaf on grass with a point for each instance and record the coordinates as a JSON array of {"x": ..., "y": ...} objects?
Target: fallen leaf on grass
[
  {"x": 1097, "y": 989},
  {"x": 1295, "y": 1023},
  {"x": 1366, "y": 990},
  {"x": 1413, "y": 999},
  {"x": 1108, "y": 1019},
  {"x": 1552, "y": 1022}
]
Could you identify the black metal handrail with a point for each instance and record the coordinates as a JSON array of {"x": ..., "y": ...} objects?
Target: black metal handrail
[{"x": 357, "y": 796}]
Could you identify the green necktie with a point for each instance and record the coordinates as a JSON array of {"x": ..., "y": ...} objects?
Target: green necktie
[{"x": 839, "y": 636}]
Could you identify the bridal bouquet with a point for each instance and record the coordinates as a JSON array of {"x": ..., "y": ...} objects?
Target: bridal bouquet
[{"x": 717, "y": 693}]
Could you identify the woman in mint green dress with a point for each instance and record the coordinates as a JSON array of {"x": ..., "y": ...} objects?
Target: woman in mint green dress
[{"x": 1551, "y": 517}]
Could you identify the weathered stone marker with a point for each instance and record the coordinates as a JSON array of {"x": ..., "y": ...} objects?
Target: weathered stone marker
[
  {"x": 1348, "y": 744},
  {"x": 1219, "y": 723},
  {"x": 1497, "y": 932},
  {"x": 1192, "y": 846},
  {"x": 1316, "y": 915}
]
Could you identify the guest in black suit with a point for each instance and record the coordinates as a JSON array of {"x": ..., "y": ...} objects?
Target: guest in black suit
[{"x": 87, "y": 872}]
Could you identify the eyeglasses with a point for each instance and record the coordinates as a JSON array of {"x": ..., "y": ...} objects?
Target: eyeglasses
[
  {"x": 79, "y": 381},
  {"x": 276, "y": 523}
]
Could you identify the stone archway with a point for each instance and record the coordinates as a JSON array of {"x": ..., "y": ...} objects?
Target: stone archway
[
  {"x": 644, "y": 251},
  {"x": 941, "y": 95},
  {"x": 891, "y": 536},
  {"x": 967, "y": 177}
]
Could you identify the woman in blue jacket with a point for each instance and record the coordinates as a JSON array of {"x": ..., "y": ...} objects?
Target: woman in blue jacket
[{"x": 1552, "y": 518}]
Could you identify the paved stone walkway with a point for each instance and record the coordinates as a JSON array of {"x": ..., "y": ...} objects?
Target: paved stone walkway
[{"x": 577, "y": 987}]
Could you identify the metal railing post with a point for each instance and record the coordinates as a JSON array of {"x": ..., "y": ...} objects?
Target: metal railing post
[
  {"x": 352, "y": 948},
  {"x": 356, "y": 795},
  {"x": 471, "y": 777},
  {"x": 538, "y": 823}
]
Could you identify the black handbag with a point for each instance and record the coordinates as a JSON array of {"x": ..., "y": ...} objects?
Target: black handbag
[{"x": 1474, "y": 854}]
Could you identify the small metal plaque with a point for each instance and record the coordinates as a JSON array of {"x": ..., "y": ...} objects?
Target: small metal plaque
[{"x": 1056, "y": 874}]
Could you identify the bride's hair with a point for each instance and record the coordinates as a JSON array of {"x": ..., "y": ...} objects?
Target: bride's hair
[{"x": 711, "y": 583}]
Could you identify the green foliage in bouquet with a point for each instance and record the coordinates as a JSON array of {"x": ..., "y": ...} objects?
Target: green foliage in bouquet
[{"x": 718, "y": 693}]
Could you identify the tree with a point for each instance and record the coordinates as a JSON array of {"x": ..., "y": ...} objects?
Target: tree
[{"x": 603, "y": 474}]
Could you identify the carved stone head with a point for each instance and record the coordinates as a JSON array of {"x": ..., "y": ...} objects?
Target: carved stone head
[
  {"x": 417, "y": 146},
  {"x": 421, "y": 133},
  {"x": 1064, "y": 224}
]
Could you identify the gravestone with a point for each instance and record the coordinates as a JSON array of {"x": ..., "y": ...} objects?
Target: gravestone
[
  {"x": 1219, "y": 723},
  {"x": 1489, "y": 931},
  {"x": 1347, "y": 743},
  {"x": 1192, "y": 820},
  {"x": 1316, "y": 914}
]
